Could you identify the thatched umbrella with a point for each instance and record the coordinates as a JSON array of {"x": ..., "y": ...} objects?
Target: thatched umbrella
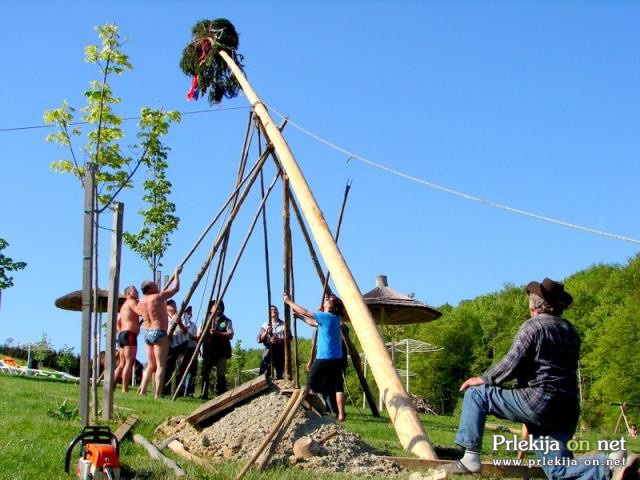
[
  {"x": 211, "y": 59},
  {"x": 73, "y": 300},
  {"x": 390, "y": 307}
]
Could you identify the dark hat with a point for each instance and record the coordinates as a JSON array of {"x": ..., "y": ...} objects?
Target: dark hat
[
  {"x": 553, "y": 292},
  {"x": 146, "y": 284},
  {"x": 188, "y": 309}
]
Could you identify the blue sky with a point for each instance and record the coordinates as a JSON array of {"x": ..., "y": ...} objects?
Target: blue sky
[{"x": 533, "y": 105}]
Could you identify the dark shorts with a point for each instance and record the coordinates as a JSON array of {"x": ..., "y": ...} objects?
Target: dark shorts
[
  {"x": 323, "y": 375},
  {"x": 127, "y": 338},
  {"x": 151, "y": 337},
  {"x": 340, "y": 380}
]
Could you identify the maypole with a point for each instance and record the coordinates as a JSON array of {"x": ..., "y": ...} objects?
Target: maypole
[{"x": 217, "y": 39}]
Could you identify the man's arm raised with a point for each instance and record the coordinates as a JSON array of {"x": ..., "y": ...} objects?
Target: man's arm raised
[
  {"x": 170, "y": 292},
  {"x": 305, "y": 315}
]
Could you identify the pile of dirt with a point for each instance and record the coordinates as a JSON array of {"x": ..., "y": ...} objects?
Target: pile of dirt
[{"x": 238, "y": 434}]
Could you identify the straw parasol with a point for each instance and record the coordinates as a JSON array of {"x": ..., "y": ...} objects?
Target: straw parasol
[
  {"x": 73, "y": 300},
  {"x": 390, "y": 307}
]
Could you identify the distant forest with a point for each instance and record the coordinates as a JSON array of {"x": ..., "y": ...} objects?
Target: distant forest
[{"x": 477, "y": 333}]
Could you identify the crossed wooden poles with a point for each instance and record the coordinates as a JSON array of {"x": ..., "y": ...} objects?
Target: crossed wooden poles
[{"x": 405, "y": 420}]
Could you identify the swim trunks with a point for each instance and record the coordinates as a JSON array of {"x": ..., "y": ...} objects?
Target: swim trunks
[
  {"x": 127, "y": 338},
  {"x": 153, "y": 336}
]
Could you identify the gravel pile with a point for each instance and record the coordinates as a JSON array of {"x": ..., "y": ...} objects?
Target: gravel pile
[{"x": 238, "y": 434}]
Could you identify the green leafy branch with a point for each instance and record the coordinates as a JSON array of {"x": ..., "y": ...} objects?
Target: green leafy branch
[
  {"x": 7, "y": 265},
  {"x": 159, "y": 221}
]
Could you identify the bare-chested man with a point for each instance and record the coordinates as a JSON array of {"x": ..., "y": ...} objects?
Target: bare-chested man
[
  {"x": 153, "y": 309},
  {"x": 128, "y": 330}
]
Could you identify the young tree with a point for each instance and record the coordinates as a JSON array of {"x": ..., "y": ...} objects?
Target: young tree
[
  {"x": 7, "y": 265},
  {"x": 42, "y": 350},
  {"x": 114, "y": 170},
  {"x": 66, "y": 358},
  {"x": 152, "y": 240},
  {"x": 236, "y": 364}
]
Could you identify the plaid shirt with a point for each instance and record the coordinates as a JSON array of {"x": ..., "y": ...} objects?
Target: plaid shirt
[{"x": 543, "y": 360}]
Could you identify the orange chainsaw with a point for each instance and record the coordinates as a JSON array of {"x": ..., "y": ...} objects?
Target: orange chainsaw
[{"x": 99, "y": 454}]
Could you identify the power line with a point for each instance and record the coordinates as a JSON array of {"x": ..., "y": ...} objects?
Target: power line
[
  {"x": 73, "y": 124},
  {"x": 352, "y": 155}
]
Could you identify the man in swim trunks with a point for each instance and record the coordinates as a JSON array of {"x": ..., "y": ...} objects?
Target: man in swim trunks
[
  {"x": 128, "y": 330},
  {"x": 153, "y": 309}
]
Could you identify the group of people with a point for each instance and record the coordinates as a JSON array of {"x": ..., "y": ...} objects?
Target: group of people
[
  {"x": 157, "y": 313},
  {"x": 177, "y": 354}
]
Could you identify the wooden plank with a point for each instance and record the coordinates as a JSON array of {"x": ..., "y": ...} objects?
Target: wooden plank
[
  {"x": 123, "y": 429},
  {"x": 229, "y": 399},
  {"x": 488, "y": 468}
]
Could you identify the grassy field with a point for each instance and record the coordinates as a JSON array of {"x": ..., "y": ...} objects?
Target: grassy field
[{"x": 37, "y": 422}]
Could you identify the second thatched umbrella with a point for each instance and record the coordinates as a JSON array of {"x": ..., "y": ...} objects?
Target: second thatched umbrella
[{"x": 390, "y": 307}]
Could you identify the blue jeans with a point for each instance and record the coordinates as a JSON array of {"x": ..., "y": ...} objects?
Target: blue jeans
[{"x": 507, "y": 404}]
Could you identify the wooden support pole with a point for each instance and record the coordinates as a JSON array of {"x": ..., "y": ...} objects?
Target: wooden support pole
[
  {"x": 357, "y": 366},
  {"x": 325, "y": 285},
  {"x": 233, "y": 269},
  {"x": 112, "y": 312},
  {"x": 87, "y": 272},
  {"x": 405, "y": 419},
  {"x": 275, "y": 429},
  {"x": 176, "y": 447},
  {"x": 153, "y": 452},
  {"x": 286, "y": 275},
  {"x": 222, "y": 235},
  {"x": 283, "y": 429},
  {"x": 307, "y": 240}
]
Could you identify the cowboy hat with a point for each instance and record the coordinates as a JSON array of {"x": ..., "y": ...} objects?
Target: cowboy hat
[{"x": 553, "y": 292}]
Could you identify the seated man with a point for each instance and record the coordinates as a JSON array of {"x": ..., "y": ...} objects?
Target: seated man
[{"x": 543, "y": 360}]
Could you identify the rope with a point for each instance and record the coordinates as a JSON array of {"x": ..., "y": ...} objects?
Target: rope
[
  {"x": 124, "y": 119},
  {"x": 451, "y": 191}
]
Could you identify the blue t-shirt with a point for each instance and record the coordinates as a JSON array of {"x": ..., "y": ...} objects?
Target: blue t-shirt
[{"x": 329, "y": 344}]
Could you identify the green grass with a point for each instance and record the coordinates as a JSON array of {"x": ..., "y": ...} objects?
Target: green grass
[{"x": 35, "y": 429}]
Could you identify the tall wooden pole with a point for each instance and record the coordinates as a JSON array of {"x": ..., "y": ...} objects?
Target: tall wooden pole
[
  {"x": 405, "y": 420},
  {"x": 287, "y": 276},
  {"x": 112, "y": 312},
  {"x": 87, "y": 270}
]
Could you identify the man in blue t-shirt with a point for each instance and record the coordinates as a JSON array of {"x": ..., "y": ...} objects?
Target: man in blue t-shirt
[{"x": 327, "y": 366}]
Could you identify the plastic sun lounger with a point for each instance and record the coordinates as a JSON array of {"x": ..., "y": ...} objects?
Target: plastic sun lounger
[{"x": 11, "y": 370}]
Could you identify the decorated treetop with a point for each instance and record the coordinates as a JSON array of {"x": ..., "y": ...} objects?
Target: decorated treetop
[{"x": 200, "y": 60}]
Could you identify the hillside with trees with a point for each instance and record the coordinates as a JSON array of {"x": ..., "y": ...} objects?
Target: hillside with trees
[{"x": 477, "y": 333}]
